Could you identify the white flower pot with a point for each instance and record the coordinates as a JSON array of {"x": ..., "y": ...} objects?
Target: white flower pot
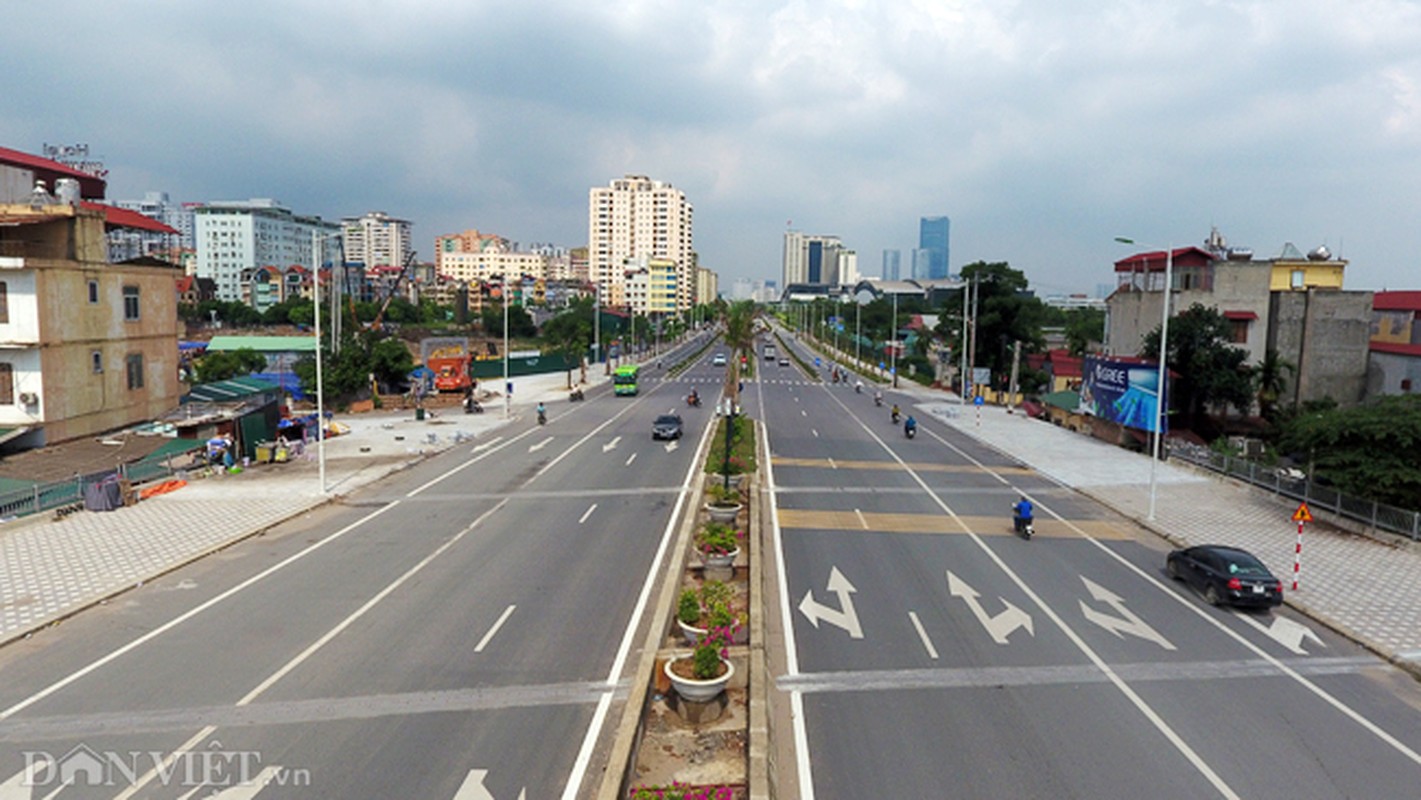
[
  {"x": 698, "y": 691},
  {"x": 725, "y": 514}
]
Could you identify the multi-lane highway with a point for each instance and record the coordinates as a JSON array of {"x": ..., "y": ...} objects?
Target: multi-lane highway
[
  {"x": 932, "y": 653},
  {"x": 463, "y": 629}
]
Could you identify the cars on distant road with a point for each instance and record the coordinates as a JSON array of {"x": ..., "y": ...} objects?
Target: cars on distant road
[
  {"x": 1225, "y": 575},
  {"x": 718, "y": 360},
  {"x": 666, "y": 426},
  {"x": 784, "y": 362}
]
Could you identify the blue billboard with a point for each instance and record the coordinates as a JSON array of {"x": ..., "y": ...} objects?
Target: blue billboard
[{"x": 1125, "y": 392}]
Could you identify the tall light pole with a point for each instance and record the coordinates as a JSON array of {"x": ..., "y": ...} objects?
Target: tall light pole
[
  {"x": 1163, "y": 357},
  {"x": 507, "y": 395},
  {"x": 962, "y": 345},
  {"x": 317, "y": 248},
  {"x": 893, "y": 354}
]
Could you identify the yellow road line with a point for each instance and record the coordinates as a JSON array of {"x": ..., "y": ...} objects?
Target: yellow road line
[{"x": 871, "y": 522}]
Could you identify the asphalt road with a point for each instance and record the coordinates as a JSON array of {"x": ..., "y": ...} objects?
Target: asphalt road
[
  {"x": 461, "y": 630},
  {"x": 932, "y": 653}
]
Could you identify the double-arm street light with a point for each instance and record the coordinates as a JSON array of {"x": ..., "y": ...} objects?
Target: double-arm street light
[
  {"x": 1163, "y": 351},
  {"x": 317, "y": 249}
]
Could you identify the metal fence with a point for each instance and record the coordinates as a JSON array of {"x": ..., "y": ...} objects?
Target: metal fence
[
  {"x": 1379, "y": 516},
  {"x": 59, "y": 494}
]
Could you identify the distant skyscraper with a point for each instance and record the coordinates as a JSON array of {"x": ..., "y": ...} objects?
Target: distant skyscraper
[
  {"x": 892, "y": 265},
  {"x": 811, "y": 259},
  {"x": 933, "y": 241}
]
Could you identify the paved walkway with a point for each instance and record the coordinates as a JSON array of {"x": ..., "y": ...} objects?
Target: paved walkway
[
  {"x": 51, "y": 568},
  {"x": 1367, "y": 588}
]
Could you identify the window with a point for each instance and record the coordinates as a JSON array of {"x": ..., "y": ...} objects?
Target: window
[
  {"x": 1297, "y": 279},
  {"x": 130, "y": 303},
  {"x": 93, "y": 292},
  {"x": 1240, "y": 331},
  {"x": 7, "y": 384},
  {"x": 96, "y": 358},
  {"x": 4, "y": 302},
  {"x": 135, "y": 371}
]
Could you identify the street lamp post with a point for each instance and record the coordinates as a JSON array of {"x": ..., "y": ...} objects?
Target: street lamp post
[
  {"x": 893, "y": 354},
  {"x": 317, "y": 248},
  {"x": 507, "y": 395},
  {"x": 1163, "y": 353}
]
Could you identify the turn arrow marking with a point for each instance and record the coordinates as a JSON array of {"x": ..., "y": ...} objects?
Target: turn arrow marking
[
  {"x": 671, "y": 446},
  {"x": 1286, "y": 632},
  {"x": 998, "y": 627},
  {"x": 612, "y": 445},
  {"x": 533, "y": 448},
  {"x": 473, "y": 787},
  {"x": 846, "y": 618},
  {"x": 1127, "y": 622}
]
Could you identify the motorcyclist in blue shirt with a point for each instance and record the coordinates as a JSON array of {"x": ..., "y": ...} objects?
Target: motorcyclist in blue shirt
[{"x": 1022, "y": 516}]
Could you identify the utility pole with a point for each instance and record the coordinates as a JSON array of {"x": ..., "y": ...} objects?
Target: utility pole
[
  {"x": 962, "y": 345},
  {"x": 972, "y": 357}
]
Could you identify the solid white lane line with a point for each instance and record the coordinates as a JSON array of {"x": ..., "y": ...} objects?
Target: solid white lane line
[
  {"x": 1184, "y": 601},
  {"x": 587, "y": 513},
  {"x": 1199, "y": 764},
  {"x": 184, "y": 617},
  {"x": 630, "y": 459},
  {"x": 862, "y": 520},
  {"x": 599, "y": 717},
  {"x": 507, "y": 612},
  {"x": 318, "y": 644},
  {"x": 922, "y": 634},
  {"x": 815, "y": 432}
]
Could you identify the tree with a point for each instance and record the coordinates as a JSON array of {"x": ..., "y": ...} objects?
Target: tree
[
  {"x": 227, "y": 364},
  {"x": 570, "y": 334},
  {"x": 1006, "y": 313},
  {"x": 1367, "y": 450},
  {"x": 739, "y": 322},
  {"x": 1211, "y": 373},
  {"x": 1271, "y": 374},
  {"x": 520, "y": 325},
  {"x": 1084, "y": 327}
]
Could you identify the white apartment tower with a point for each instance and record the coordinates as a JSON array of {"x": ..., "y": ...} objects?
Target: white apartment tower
[
  {"x": 234, "y": 238},
  {"x": 637, "y": 216},
  {"x": 376, "y": 239}
]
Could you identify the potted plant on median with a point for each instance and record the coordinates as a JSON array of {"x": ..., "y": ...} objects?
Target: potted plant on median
[
  {"x": 724, "y": 505},
  {"x": 699, "y": 611},
  {"x": 718, "y": 543},
  {"x": 703, "y": 674}
]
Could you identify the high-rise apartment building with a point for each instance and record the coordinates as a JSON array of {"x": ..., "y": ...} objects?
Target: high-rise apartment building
[
  {"x": 235, "y": 238},
  {"x": 892, "y": 265},
  {"x": 931, "y": 260},
  {"x": 637, "y": 216},
  {"x": 376, "y": 240},
  {"x": 813, "y": 259}
]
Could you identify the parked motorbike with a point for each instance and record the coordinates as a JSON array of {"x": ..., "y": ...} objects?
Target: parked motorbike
[{"x": 472, "y": 406}]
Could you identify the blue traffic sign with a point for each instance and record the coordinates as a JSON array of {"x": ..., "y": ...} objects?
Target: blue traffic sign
[{"x": 977, "y": 401}]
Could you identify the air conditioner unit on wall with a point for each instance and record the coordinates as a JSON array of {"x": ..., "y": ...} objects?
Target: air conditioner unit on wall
[{"x": 29, "y": 398}]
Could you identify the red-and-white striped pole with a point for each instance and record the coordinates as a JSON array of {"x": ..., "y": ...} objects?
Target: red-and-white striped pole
[{"x": 1298, "y": 556}]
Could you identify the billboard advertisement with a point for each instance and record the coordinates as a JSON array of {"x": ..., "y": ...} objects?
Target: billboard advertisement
[{"x": 1121, "y": 391}]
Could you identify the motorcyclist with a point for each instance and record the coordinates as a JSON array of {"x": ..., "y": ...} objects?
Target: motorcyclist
[
  {"x": 693, "y": 399},
  {"x": 896, "y": 413},
  {"x": 878, "y": 397},
  {"x": 910, "y": 426},
  {"x": 858, "y": 387},
  {"x": 1021, "y": 514},
  {"x": 542, "y": 414}
]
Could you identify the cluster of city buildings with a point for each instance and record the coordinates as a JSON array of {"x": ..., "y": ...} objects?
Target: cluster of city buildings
[{"x": 89, "y": 288}]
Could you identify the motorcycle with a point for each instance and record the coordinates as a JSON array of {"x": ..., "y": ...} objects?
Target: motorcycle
[
  {"x": 693, "y": 400},
  {"x": 472, "y": 406},
  {"x": 878, "y": 400},
  {"x": 895, "y": 416},
  {"x": 574, "y": 396},
  {"x": 858, "y": 388},
  {"x": 910, "y": 430},
  {"x": 1024, "y": 527},
  {"x": 542, "y": 417}
]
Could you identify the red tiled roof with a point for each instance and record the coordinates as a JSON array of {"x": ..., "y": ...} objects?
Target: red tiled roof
[
  {"x": 48, "y": 171},
  {"x": 185, "y": 283},
  {"x": 1397, "y": 348},
  {"x": 1397, "y": 301},
  {"x": 1154, "y": 260},
  {"x": 1240, "y": 315},
  {"x": 115, "y": 217}
]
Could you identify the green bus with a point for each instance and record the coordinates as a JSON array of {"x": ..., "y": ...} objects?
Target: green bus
[{"x": 624, "y": 379}]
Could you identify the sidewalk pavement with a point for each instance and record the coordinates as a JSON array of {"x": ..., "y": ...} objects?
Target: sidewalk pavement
[
  {"x": 1367, "y": 588},
  {"x": 51, "y": 568}
]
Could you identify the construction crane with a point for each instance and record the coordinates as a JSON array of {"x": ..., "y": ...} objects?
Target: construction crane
[{"x": 394, "y": 288}]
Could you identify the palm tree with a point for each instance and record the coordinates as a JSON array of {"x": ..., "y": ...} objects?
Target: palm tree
[
  {"x": 1271, "y": 375},
  {"x": 739, "y": 320}
]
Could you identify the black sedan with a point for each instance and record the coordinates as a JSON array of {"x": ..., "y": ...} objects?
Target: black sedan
[
  {"x": 666, "y": 426},
  {"x": 1225, "y": 575}
]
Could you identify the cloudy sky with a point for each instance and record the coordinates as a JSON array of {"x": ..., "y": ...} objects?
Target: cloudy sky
[{"x": 1043, "y": 129}]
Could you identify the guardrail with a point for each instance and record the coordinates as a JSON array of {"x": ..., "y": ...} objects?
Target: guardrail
[
  {"x": 58, "y": 494},
  {"x": 1380, "y": 516}
]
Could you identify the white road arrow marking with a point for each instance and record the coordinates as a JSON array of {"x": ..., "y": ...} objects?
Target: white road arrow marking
[
  {"x": 1127, "y": 622},
  {"x": 1286, "y": 632},
  {"x": 847, "y": 618},
  {"x": 630, "y": 459},
  {"x": 244, "y": 791},
  {"x": 533, "y": 448},
  {"x": 612, "y": 445},
  {"x": 998, "y": 627},
  {"x": 671, "y": 446},
  {"x": 486, "y": 445},
  {"x": 473, "y": 787}
]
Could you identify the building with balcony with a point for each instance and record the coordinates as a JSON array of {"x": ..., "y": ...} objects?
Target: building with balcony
[
  {"x": 376, "y": 239},
  {"x": 633, "y": 217},
  {"x": 234, "y": 239}
]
